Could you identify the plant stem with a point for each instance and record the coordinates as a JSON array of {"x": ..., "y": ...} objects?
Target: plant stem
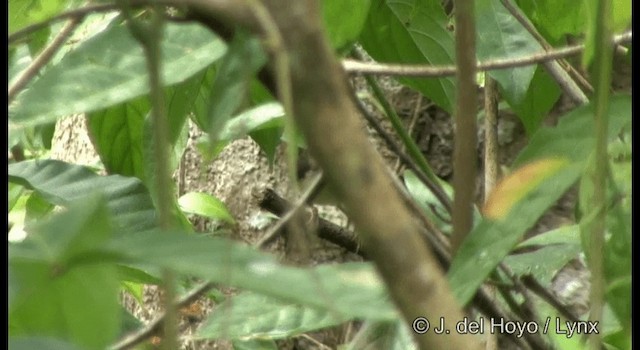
[
  {"x": 602, "y": 82},
  {"x": 150, "y": 38},
  {"x": 464, "y": 152}
]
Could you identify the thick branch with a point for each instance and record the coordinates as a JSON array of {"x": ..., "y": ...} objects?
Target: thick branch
[{"x": 329, "y": 120}]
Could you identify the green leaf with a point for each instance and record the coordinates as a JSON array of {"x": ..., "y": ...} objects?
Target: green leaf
[
  {"x": 353, "y": 290},
  {"x": 254, "y": 316},
  {"x": 412, "y": 31},
  {"x": 57, "y": 290},
  {"x": 15, "y": 191},
  {"x": 109, "y": 69},
  {"x": 543, "y": 263},
  {"x": 261, "y": 122},
  {"x": 30, "y": 343},
  {"x": 550, "y": 17},
  {"x": 500, "y": 35},
  {"x": 569, "y": 235},
  {"x": 38, "y": 40},
  {"x": 36, "y": 208},
  {"x": 254, "y": 344},
  {"x": 243, "y": 60},
  {"x": 205, "y": 205},
  {"x": 541, "y": 96},
  {"x": 573, "y": 137},
  {"x": 60, "y": 183},
  {"x": 343, "y": 20},
  {"x": 23, "y": 13},
  {"x": 116, "y": 133},
  {"x": 45, "y": 132},
  {"x": 490, "y": 241}
]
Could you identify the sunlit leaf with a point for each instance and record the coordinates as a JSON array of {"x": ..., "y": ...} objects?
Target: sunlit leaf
[
  {"x": 110, "y": 68},
  {"x": 510, "y": 190},
  {"x": 205, "y": 205}
]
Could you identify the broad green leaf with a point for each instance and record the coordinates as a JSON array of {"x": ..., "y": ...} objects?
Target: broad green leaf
[
  {"x": 543, "y": 263},
  {"x": 500, "y": 35},
  {"x": 30, "y": 343},
  {"x": 258, "y": 118},
  {"x": 551, "y": 19},
  {"x": 412, "y": 31},
  {"x": 541, "y": 96},
  {"x": 243, "y": 60},
  {"x": 205, "y": 205},
  {"x": 490, "y": 241},
  {"x": 109, "y": 69},
  {"x": 60, "y": 183},
  {"x": 116, "y": 133},
  {"x": 621, "y": 15},
  {"x": 513, "y": 188},
  {"x": 344, "y": 20},
  {"x": 261, "y": 122},
  {"x": 352, "y": 290},
  {"x": 569, "y": 235},
  {"x": 23, "y": 13},
  {"x": 255, "y": 316},
  {"x": 573, "y": 137},
  {"x": 255, "y": 344},
  {"x": 55, "y": 293},
  {"x": 38, "y": 40},
  {"x": 268, "y": 137}
]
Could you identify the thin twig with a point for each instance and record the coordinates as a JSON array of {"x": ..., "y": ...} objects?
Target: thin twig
[
  {"x": 412, "y": 70},
  {"x": 490, "y": 134},
  {"x": 155, "y": 327},
  {"x": 43, "y": 58},
  {"x": 412, "y": 122}
]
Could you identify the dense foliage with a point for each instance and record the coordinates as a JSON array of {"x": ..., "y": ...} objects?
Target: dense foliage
[{"x": 65, "y": 275}]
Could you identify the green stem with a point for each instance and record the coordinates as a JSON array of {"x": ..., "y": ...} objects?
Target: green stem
[
  {"x": 150, "y": 38},
  {"x": 602, "y": 82}
]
